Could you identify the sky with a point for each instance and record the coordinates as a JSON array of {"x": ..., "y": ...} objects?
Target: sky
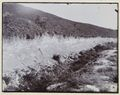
[{"x": 103, "y": 15}]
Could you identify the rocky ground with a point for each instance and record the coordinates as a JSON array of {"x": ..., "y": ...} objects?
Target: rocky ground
[
  {"x": 93, "y": 70},
  {"x": 96, "y": 76},
  {"x": 101, "y": 74}
]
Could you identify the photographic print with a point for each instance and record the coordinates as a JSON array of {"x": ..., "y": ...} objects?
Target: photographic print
[{"x": 59, "y": 47}]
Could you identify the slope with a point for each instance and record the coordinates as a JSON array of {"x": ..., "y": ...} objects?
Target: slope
[{"x": 27, "y": 22}]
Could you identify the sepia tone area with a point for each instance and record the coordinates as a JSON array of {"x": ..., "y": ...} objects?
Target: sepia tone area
[{"x": 46, "y": 53}]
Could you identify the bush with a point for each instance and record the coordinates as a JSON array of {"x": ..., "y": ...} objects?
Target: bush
[
  {"x": 39, "y": 80},
  {"x": 36, "y": 80},
  {"x": 6, "y": 79},
  {"x": 115, "y": 79}
]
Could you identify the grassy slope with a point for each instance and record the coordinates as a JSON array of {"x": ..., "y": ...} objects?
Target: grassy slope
[
  {"x": 22, "y": 21},
  {"x": 68, "y": 75},
  {"x": 18, "y": 51}
]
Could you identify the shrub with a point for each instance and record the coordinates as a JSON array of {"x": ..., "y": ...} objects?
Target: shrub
[
  {"x": 36, "y": 80},
  {"x": 115, "y": 79},
  {"x": 39, "y": 80},
  {"x": 6, "y": 79}
]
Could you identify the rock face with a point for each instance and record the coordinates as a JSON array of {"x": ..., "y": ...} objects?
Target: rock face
[{"x": 23, "y": 21}]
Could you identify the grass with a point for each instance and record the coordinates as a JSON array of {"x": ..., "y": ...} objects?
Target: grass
[
  {"x": 18, "y": 51},
  {"x": 54, "y": 60}
]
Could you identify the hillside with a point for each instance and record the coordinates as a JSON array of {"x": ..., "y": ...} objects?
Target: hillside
[{"x": 27, "y": 22}]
